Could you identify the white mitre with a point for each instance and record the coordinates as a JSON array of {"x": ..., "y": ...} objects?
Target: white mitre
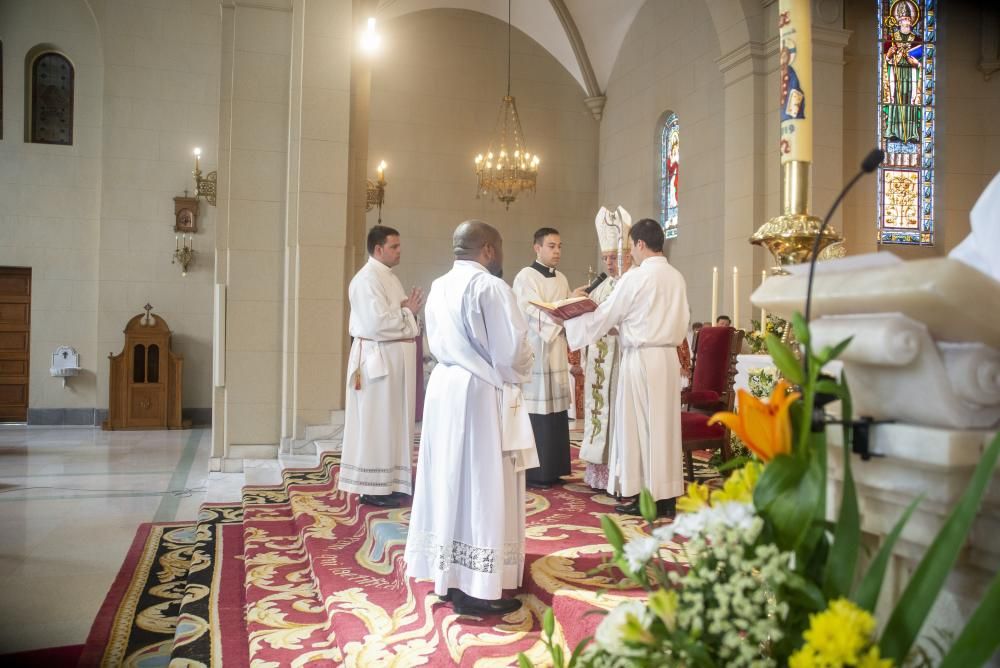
[
  {"x": 610, "y": 226},
  {"x": 981, "y": 249}
]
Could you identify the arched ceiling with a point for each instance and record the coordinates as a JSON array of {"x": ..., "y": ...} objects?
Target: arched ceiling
[{"x": 600, "y": 27}]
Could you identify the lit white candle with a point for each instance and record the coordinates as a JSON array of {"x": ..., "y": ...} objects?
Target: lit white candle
[
  {"x": 736, "y": 297},
  {"x": 381, "y": 171},
  {"x": 715, "y": 294},
  {"x": 763, "y": 311},
  {"x": 177, "y": 242}
]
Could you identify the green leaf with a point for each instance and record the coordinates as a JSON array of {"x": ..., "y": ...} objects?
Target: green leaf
[
  {"x": 613, "y": 533},
  {"x": 580, "y": 646},
  {"x": 835, "y": 352},
  {"x": 843, "y": 559},
  {"x": 827, "y": 386},
  {"x": 788, "y": 493},
  {"x": 523, "y": 661},
  {"x": 926, "y": 581},
  {"x": 557, "y": 655},
  {"x": 734, "y": 463},
  {"x": 647, "y": 506},
  {"x": 866, "y": 595},
  {"x": 548, "y": 622},
  {"x": 800, "y": 590},
  {"x": 785, "y": 360},
  {"x": 800, "y": 328},
  {"x": 978, "y": 640}
]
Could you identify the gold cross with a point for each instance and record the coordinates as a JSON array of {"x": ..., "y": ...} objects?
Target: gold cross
[{"x": 517, "y": 405}]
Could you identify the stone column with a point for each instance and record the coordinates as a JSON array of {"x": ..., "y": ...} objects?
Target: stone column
[
  {"x": 317, "y": 212},
  {"x": 253, "y": 161}
]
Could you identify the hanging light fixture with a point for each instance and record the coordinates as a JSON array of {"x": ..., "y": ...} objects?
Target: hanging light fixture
[{"x": 507, "y": 168}]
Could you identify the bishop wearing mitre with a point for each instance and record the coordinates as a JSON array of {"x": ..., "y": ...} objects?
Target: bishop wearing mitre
[{"x": 603, "y": 357}]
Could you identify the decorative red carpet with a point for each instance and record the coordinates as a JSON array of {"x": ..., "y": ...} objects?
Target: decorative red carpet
[{"x": 301, "y": 575}]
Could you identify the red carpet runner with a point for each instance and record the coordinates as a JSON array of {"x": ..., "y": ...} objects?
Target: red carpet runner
[{"x": 300, "y": 575}]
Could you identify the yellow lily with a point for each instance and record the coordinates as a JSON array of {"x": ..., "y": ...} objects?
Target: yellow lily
[
  {"x": 695, "y": 499},
  {"x": 765, "y": 427}
]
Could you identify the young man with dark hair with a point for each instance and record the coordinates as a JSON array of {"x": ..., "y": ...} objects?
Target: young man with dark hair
[
  {"x": 649, "y": 308},
  {"x": 381, "y": 377},
  {"x": 547, "y": 396},
  {"x": 723, "y": 321}
]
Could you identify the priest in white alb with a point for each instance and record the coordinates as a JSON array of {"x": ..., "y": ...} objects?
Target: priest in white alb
[
  {"x": 548, "y": 394},
  {"x": 603, "y": 357},
  {"x": 380, "y": 402},
  {"x": 466, "y": 529},
  {"x": 649, "y": 309}
]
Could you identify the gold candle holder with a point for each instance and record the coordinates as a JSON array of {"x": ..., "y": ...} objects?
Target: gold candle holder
[{"x": 790, "y": 236}]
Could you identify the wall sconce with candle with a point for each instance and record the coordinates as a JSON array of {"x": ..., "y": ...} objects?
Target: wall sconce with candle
[
  {"x": 375, "y": 195},
  {"x": 204, "y": 186}
]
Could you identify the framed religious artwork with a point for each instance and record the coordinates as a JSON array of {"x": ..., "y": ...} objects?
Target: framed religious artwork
[{"x": 186, "y": 215}]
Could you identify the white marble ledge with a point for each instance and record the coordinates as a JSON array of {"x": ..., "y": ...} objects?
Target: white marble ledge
[{"x": 923, "y": 446}]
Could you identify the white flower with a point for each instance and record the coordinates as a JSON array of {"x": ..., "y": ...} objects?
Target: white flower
[
  {"x": 640, "y": 551},
  {"x": 609, "y": 632},
  {"x": 729, "y": 515},
  {"x": 664, "y": 534}
]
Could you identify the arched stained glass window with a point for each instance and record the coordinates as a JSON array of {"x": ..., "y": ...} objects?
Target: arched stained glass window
[
  {"x": 669, "y": 173},
  {"x": 51, "y": 90},
  {"x": 907, "y": 36}
]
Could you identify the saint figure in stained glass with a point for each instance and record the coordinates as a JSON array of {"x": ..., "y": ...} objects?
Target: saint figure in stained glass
[
  {"x": 669, "y": 174},
  {"x": 906, "y": 70},
  {"x": 901, "y": 80}
]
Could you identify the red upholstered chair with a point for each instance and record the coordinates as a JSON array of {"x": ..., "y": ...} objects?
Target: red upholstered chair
[{"x": 712, "y": 378}]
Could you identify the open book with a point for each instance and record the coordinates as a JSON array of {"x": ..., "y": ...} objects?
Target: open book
[{"x": 567, "y": 309}]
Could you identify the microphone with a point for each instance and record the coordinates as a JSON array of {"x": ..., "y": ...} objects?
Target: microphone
[
  {"x": 868, "y": 165},
  {"x": 597, "y": 281}
]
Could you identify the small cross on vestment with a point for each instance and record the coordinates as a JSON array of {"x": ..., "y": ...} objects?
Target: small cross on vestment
[{"x": 516, "y": 404}]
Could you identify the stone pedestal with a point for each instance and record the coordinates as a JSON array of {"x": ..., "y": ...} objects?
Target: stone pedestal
[{"x": 913, "y": 461}]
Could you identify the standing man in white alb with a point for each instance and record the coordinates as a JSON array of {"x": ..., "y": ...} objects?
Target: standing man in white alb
[
  {"x": 649, "y": 307},
  {"x": 381, "y": 378},
  {"x": 548, "y": 395},
  {"x": 467, "y": 525}
]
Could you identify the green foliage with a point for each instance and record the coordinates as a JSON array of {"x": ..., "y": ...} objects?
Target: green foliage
[
  {"x": 839, "y": 573},
  {"x": 979, "y": 639},
  {"x": 787, "y": 494},
  {"x": 785, "y": 360},
  {"x": 928, "y": 578}
]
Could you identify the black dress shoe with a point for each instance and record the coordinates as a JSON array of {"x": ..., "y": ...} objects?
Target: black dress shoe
[
  {"x": 666, "y": 508},
  {"x": 399, "y": 495},
  {"x": 536, "y": 484},
  {"x": 449, "y": 596},
  {"x": 381, "y": 500},
  {"x": 629, "y": 508},
  {"x": 464, "y": 604}
]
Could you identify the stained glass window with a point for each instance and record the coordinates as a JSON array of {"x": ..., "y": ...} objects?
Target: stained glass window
[
  {"x": 669, "y": 171},
  {"x": 51, "y": 99},
  {"x": 907, "y": 35}
]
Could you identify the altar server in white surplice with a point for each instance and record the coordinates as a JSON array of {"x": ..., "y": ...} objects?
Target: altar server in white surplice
[
  {"x": 603, "y": 356},
  {"x": 381, "y": 378},
  {"x": 466, "y": 529},
  {"x": 548, "y": 394},
  {"x": 649, "y": 308}
]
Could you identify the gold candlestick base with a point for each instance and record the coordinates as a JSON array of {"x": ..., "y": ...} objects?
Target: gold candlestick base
[{"x": 790, "y": 236}]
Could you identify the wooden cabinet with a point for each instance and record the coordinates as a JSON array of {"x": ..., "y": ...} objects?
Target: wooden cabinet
[{"x": 145, "y": 380}]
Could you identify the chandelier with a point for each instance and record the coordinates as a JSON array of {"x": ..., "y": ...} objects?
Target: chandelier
[{"x": 507, "y": 169}]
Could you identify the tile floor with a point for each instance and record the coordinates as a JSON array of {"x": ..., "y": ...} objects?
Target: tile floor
[{"x": 71, "y": 499}]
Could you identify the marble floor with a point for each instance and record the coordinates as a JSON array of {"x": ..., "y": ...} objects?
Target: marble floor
[{"x": 71, "y": 499}]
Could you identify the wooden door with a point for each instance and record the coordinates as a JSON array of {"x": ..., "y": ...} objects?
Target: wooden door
[
  {"x": 15, "y": 338},
  {"x": 147, "y": 393}
]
